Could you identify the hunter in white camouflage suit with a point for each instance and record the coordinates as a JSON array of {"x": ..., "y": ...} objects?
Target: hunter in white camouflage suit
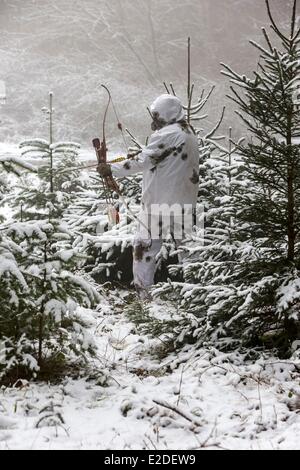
[{"x": 170, "y": 167}]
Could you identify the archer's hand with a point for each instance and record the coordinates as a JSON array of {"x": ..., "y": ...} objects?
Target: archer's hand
[
  {"x": 104, "y": 170},
  {"x": 133, "y": 152}
]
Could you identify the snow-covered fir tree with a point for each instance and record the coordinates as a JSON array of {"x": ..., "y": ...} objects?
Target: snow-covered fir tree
[
  {"x": 251, "y": 296},
  {"x": 58, "y": 177},
  {"x": 262, "y": 299},
  {"x": 12, "y": 283},
  {"x": 45, "y": 315},
  {"x": 40, "y": 286},
  {"x": 56, "y": 182}
]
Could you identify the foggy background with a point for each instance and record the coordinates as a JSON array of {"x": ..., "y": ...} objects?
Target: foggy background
[{"x": 70, "y": 47}]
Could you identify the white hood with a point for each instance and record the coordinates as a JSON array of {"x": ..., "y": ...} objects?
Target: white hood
[{"x": 168, "y": 108}]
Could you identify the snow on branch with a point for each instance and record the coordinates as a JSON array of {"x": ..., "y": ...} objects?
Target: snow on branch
[{"x": 9, "y": 267}]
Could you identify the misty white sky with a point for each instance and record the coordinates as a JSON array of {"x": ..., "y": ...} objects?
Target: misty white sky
[{"x": 71, "y": 46}]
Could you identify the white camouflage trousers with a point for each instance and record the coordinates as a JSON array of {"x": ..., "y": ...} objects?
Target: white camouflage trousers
[
  {"x": 145, "y": 263},
  {"x": 148, "y": 242}
]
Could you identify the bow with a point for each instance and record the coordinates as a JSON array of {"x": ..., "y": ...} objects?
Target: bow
[
  {"x": 109, "y": 184},
  {"x": 101, "y": 147}
]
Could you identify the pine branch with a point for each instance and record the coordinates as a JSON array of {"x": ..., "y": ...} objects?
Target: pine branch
[
  {"x": 239, "y": 101},
  {"x": 262, "y": 49},
  {"x": 232, "y": 74},
  {"x": 274, "y": 25},
  {"x": 266, "y": 76},
  {"x": 173, "y": 90},
  {"x": 201, "y": 102},
  {"x": 217, "y": 126},
  {"x": 293, "y": 19},
  {"x": 166, "y": 88},
  {"x": 267, "y": 39}
]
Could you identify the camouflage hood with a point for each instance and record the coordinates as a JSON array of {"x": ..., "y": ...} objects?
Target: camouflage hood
[{"x": 167, "y": 108}]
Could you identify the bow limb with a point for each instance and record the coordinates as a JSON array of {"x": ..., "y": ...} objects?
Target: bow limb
[
  {"x": 110, "y": 182},
  {"x": 104, "y": 122}
]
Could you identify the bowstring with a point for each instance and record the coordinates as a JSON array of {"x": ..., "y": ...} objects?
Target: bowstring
[{"x": 120, "y": 126}]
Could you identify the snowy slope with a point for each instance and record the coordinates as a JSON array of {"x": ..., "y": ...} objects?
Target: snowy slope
[{"x": 219, "y": 400}]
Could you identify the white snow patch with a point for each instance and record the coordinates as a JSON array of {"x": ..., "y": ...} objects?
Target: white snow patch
[{"x": 188, "y": 400}]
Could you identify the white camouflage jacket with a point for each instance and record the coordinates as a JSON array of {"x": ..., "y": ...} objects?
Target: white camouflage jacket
[{"x": 170, "y": 162}]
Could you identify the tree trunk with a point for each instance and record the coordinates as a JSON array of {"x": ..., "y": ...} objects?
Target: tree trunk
[
  {"x": 291, "y": 196},
  {"x": 41, "y": 337},
  {"x": 41, "y": 316}
]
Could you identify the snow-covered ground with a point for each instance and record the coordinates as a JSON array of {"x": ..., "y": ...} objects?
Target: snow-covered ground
[{"x": 132, "y": 400}]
